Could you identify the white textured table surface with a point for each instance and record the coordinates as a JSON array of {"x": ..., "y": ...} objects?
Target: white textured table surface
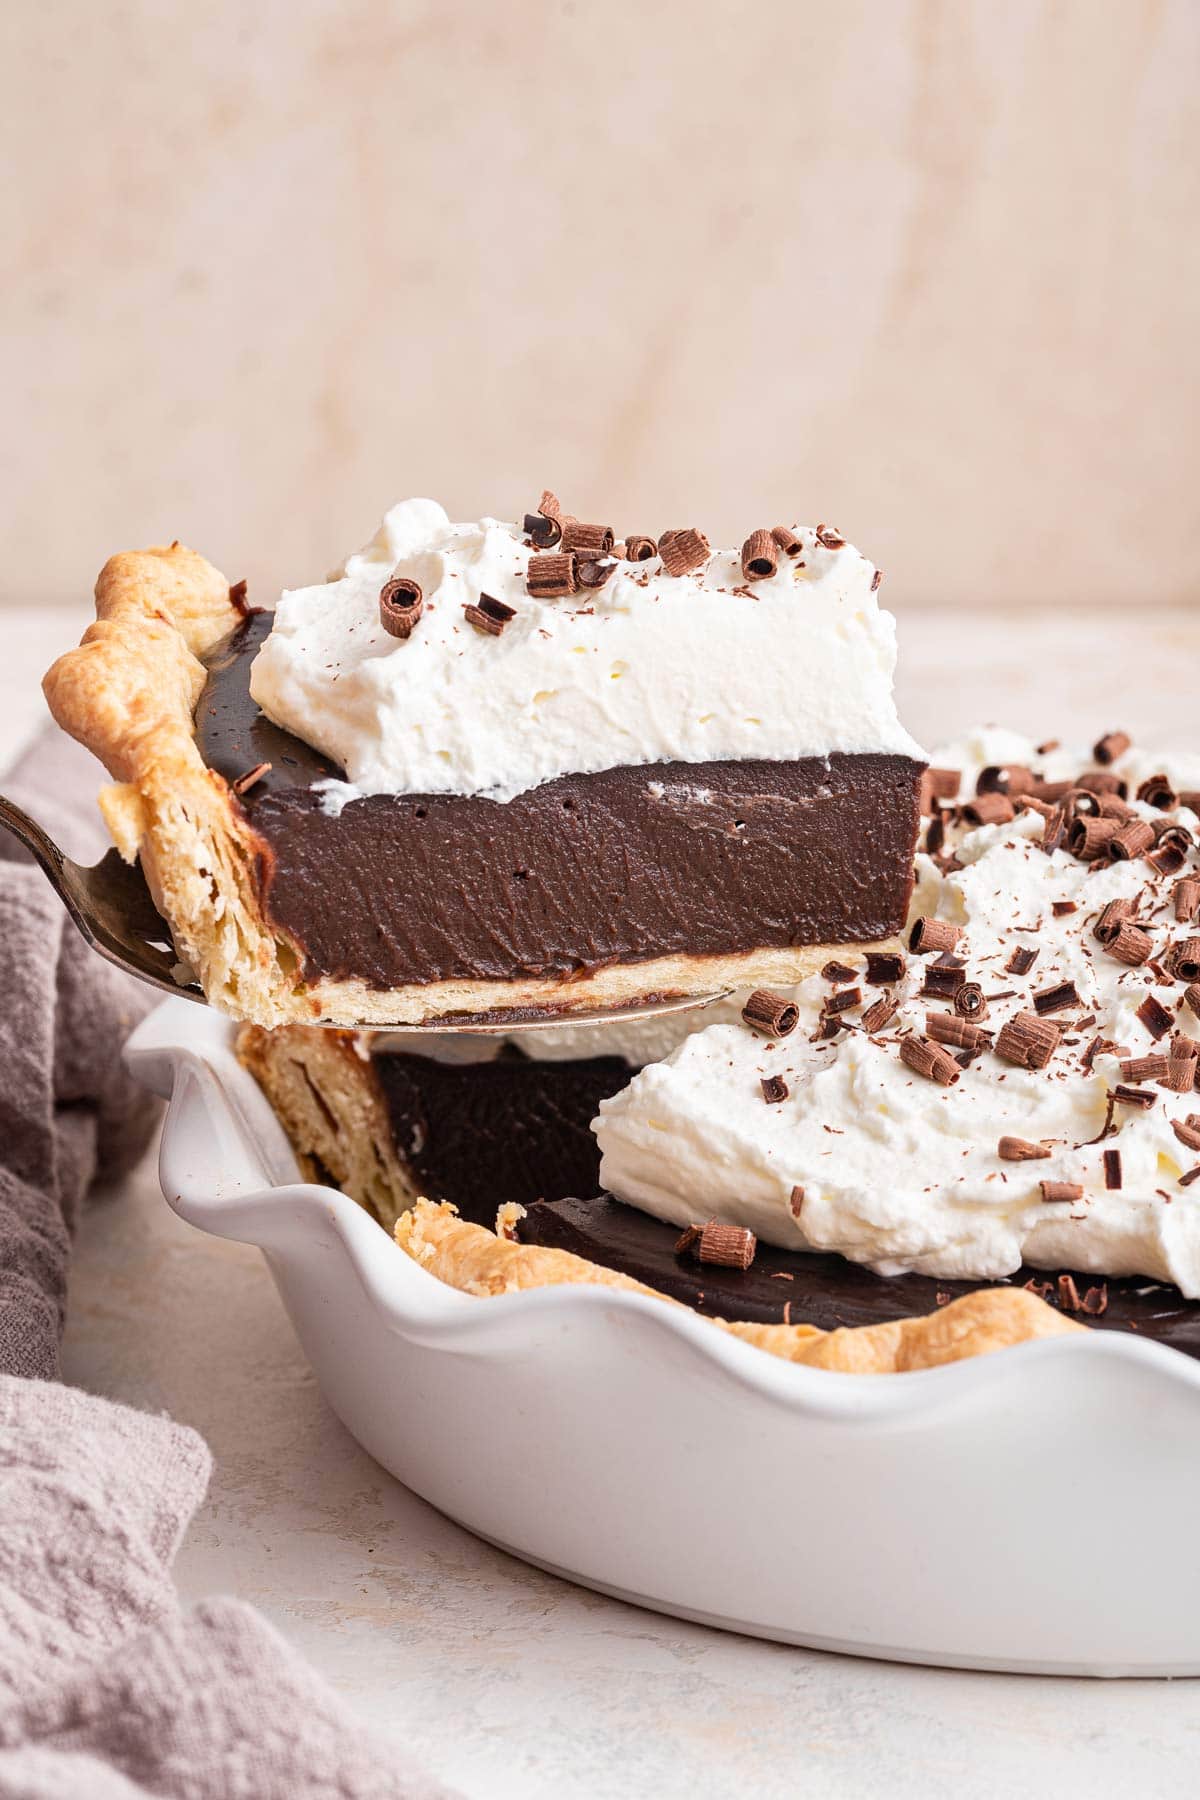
[{"x": 506, "y": 1681}]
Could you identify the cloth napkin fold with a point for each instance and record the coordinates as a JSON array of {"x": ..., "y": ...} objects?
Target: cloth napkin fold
[{"x": 108, "y": 1689}]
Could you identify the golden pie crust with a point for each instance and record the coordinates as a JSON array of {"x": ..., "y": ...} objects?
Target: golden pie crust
[
  {"x": 129, "y": 693},
  {"x": 485, "y": 1263}
]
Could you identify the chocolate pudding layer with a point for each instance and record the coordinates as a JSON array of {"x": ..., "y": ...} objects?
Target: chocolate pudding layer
[
  {"x": 705, "y": 859},
  {"x": 827, "y": 1291},
  {"x": 483, "y": 1134}
]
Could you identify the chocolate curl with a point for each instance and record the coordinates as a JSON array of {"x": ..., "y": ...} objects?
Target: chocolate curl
[
  {"x": 594, "y": 574},
  {"x": 490, "y": 616},
  {"x": 1109, "y": 923},
  {"x": 543, "y": 532},
  {"x": 1056, "y": 998},
  {"x": 760, "y": 556},
  {"x": 245, "y": 782},
  {"x": 729, "y": 1246},
  {"x": 1112, "y": 1169},
  {"x": 1157, "y": 791},
  {"x": 683, "y": 551},
  {"x": 830, "y": 538},
  {"x": 1110, "y": 746},
  {"x": 639, "y": 547},
  {"x": 1005, "y": 778},
  {"x": 1055, "y": 1193},
  {"x": 1131, "y": 945},
  {"x": 787, "y": 540},
  {"x": 960, "y": 1034},
  {"x": 1187, "y": 899},
  {"x": 400, "y": 606},
  {"x": 1185, "y": 959},
  {"x": 1131, "y": 840},
  {"x": 1143, "y": 1068},
  {"x": 1187, "y": 1132},
  {"x": 1021, "y": 961},
  {"x": 588, "y": 543},
  {"x": 1140, "y": 1097},
  {"x": 1167, "y": 857},
  {"x": 1015, "y": 1149},
  {"x": 943, "y": 982},
  {"x": 970, "y": 1002},
  {"x": 885, "y": 967},
  {"x": 1109, "y": 807},
  {"x": 1089, "y": 838},
  {"x": 549, "y": 505},
  {"x": 885, "y": 1009},
  {"x": 929, "y": 1059},
  {"x": 1190, "y": 799},
  {"x": 1048, "y": 791},
  {"x": 770, "y": 1013},
  {"x": 1028, "y": 1041},
  {"x": 1054, "y": 830},
  {"x": 930, "y": 934},
  {"x": 1101, "y": 781},
  {"x": 1154, "y": 1016},
  {"x": 939, "y": 784},
  {"x": 989, "y": 809},
  {"x": 1180, "y": 1077},
  {"x": 1191, "y": 999},
  {"x": 550, "y": 577},
  {"x": 774, "y": 1089}
]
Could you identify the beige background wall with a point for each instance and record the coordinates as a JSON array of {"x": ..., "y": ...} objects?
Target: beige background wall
[{"x": 924, "y": 268}]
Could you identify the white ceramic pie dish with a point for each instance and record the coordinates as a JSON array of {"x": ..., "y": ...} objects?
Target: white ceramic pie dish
[{"x": 1030, "y": 1510}]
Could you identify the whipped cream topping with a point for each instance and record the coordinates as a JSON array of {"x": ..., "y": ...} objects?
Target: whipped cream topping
[
  {"x": 869, "y": 1159},
  {"x": 649, "y": 668}
]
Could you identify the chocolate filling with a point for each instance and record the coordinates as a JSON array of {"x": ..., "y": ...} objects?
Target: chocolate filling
[
  {"x": 484, "y": 1134},
  {"x": 822, "y": 1290},
  {"x": 572, "y": 876}
]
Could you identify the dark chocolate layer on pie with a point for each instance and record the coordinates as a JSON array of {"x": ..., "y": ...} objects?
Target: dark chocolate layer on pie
[
  {"x": 484, "y": 1134},
  {"x": 705, "y": 859},
  {"x": 826, "y": 1291}
]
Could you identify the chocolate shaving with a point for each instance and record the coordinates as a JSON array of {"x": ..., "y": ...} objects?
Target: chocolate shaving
[
  {"x": 245, "y": 782},
  {"x": 989, "y": 809},
  {"x": 1134, "y": 1096},
  {"x": 970, "y": 1002},
  {"x": 838, "y": 972},
  {"x": 930, "y": 934},
  {"x": 760, "y": 556},
  {"x": 796, "y": 1201},
  {"x": 490, "y": 616},
  {"x": 1068, "y": 1294},
  {"x": 1184, "y": 959},
  {"x": 237, "y": 598},
  {"x": 843, "y": 1000},
  {"x": 1132, "y": 840},
  {"x": 688, "y": 1239},
  {"x": 1187, "y": 899},
  {"x": 1054, "y": 999},
  {"x": 885, "y": 967},
  {"x": 1180, "y": 1077},
  {"x": 939, "y": 784},
  {"x": 1043, "y": 1289},
  {"x": 1187, "y": 1133},
  {"x": 1191, "y": 799},
  {"x": 1111, "y": 745},
  {"x": 877, "y": 1015},
  {"x": 1020, "y": 962},
  {"x": 1095, "y": 1301},
  {"x": 1054, "y": 830},
  {"x": 1154, "y": 1016},
  {"x": 549, "y": 505},
  {"x": 1012, "y": 779},
  {"x": 400, "y": 606},
  {"x": 787, "y": 540},
  {"x": 1110, "y": 807},
  {"x": 770, "y": 1013},
  {"x": 1192, "y": 1175},
  {"x": 1157, "y": 791},
  {"x": 639, "y": 547},
  {"x": 1167, "y": 857},
  {"x": 1028, "y": 1040},
  {"x": 1191, "y": 999},
  {"x": 683, "y": 551},
  {"x": 960, "y": 1034},
  {"x": 550, "y": 577},
  {"x": 830, "y": 537},
  {"x": 1100, "y": 781},
  {"x": 774, "y": 1089},
  {"x": 544, "y": 532},
  {"x": 1015, "y": 1149},
  {"x": 1112, "y": 1169},
  {"x": 586, "y": 542},
  {"x": 1056, "y": 1193},
  {"x": 1130, "y": 945},
  {"x": 929, "y": 1059},
  {"x": 729, "y": 1246},
  {"x": 594, "y": 574},
  {"x": 1063, "y": 908}
]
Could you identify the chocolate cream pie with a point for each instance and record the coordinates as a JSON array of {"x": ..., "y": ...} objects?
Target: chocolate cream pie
[
  {"x": 491, "y": 769},
  {"x": 1011, "y": 1099}
]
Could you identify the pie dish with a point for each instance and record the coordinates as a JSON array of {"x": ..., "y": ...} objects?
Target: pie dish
[
  {"x": 952, "y": 1515},
  {"x": 473, "y": 776}
]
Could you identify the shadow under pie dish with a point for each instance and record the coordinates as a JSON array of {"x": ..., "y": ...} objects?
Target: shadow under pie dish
[{"x": 533, "y": 798}]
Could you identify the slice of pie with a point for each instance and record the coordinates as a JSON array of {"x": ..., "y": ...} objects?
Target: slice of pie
[{"x": 488, "y": 769}]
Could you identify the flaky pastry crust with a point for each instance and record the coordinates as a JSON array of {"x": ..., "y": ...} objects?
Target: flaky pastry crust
[
  {"x": 129, "y": 694},
  {"x": 483, "y": 1263}
]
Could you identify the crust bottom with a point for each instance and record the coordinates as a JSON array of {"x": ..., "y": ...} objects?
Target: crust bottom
[{"x": 485, "y": 1264}]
